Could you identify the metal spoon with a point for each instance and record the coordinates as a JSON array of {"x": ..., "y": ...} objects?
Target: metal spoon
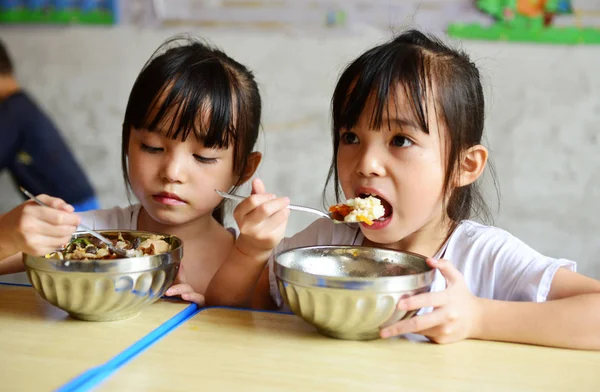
[
  {"x": 291, "y": 206},
  {"x": 102, "y": 238}
]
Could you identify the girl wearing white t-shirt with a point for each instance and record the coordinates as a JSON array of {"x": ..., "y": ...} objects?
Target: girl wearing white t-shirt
[
  {"x": 408, "y": 118},
  {"x": 190, "y": 127}
]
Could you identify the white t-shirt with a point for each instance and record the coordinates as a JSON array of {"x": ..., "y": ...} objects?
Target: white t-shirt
[
  {"x": 495, "y": 264},
  {"x": 112, "y": 218},
  {"x": 119, "y": 218}
]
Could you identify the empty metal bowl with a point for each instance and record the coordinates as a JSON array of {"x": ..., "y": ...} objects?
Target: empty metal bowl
[
  {"x": 350, "y": 292},
  {"x": 105, "y": 290}
]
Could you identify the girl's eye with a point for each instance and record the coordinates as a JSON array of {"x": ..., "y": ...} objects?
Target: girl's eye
[
  {"x": 150, "y": 149},
  {"x": 349, "y": 138},
  {"x": 202, "y": 159},
  {"x": 401, "y": 141}
]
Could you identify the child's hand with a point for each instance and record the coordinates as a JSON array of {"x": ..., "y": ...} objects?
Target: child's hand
[
  {"x": 181, "y": 288},
  {"x": 38, "y": 230},
  {"x": 262, "y": 219},
  {"x": 455, "y": 315}
]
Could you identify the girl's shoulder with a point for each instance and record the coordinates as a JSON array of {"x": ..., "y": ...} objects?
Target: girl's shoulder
[
  {"x": 470, "y": 233},
  {"x": 473, "y": 242},
  {"x": 498, "y": 265},
  {"x": 124, "y": 218},
  {"x": 481, "y": 241}
]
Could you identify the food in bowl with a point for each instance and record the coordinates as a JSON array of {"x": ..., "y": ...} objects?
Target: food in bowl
[
  {"x": 91, "y": 248},
  {"x": 111, "y": 288},
  {"x": 360, "y": 209}
]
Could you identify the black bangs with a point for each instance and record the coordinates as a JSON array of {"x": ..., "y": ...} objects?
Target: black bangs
[
  {"x": 374, "y": 78},
  {"x": 182, "y": 93}
]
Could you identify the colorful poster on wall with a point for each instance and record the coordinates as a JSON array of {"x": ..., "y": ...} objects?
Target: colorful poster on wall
[
  {"x": 308, "y": 16},
  {"x": 543, "y": 21},
  {"x": 97, "y": 12}
]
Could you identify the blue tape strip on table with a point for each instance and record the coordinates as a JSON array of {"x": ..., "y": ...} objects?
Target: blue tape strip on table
[
  {"x": 15, "y": 284},
  {"x": 94, "y": 376}
]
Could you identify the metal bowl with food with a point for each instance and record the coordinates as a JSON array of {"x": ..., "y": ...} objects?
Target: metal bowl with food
[
  {"x": 350, "y": 292},
  {"x": 90, "y": 282}
]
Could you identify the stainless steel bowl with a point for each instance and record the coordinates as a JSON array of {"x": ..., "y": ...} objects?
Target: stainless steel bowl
[
  {"x": 105, "y": 290},
  {"x": 350, "y": 292}
]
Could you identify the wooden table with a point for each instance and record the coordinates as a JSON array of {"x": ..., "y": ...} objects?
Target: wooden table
[
  {"x": 228, "y": 350},
  {"x": 42, "y": 348}
]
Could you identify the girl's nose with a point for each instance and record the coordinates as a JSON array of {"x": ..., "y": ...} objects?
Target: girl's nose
[
  {"x": 370, "y": 162},
  {"x": 173, "y": 170}
]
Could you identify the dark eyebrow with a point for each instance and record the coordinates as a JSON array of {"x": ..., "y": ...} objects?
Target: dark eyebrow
[{"x": 401, "y": 123}]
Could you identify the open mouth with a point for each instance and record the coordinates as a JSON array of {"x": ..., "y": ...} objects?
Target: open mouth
[{"x": 386, "y": 206}]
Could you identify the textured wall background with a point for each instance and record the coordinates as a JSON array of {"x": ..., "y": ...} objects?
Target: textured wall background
[{"x": 543, "y": 118}]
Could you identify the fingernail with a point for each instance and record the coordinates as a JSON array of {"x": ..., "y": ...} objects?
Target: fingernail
[
  {"x": 287, "y": 200},
  {"x": 401, "y": 304},
  {"x": 385, "y": 334},
  {"x": 169, "y": 292},
  {"x": 434, "y": 261},
  {"x": 273, "y": 197}
]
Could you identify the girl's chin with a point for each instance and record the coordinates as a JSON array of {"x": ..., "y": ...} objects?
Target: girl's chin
[{"x": 167, "y": 218}]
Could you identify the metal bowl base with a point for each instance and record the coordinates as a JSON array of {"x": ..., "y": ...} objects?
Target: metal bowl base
[
  {"x": 350, "y": 336},
  {"x": 105, "y": 317}
]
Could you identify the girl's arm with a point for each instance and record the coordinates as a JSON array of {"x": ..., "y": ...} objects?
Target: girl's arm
[
  {"x": 570, "y": 318},
  {"x": 235, "y": 282},
  {"x": 11, "y": 264},
  {"x": 261, "y": 299},
  {"x": 182, "y": 288},
  {"x": 262, "y": 219},
  {"x": 6, "y": 249}
]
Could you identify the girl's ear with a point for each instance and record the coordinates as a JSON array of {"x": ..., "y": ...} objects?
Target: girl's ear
[
  {"x": 472, "y": 165},
  {"x": 253, "y": 162}
]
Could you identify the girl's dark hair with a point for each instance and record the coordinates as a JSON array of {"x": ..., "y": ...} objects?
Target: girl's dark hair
[
  {"x": 186, "y": 80},
  {"x": 6, "y": 65},
  {"x": 428, "y": 71}
]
